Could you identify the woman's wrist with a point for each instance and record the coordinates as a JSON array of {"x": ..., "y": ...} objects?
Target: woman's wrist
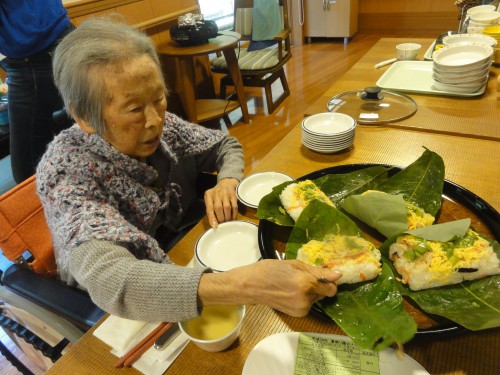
[{"x": 221, "y": 288}]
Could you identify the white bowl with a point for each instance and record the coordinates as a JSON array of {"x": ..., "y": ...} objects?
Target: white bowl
[
  {"x": 480, "y": 9},
  {"x": 457, "y": 88},
  {"x": 466, "y": 84},
  {"x": 475, "y": 29},
  {"x": 469, "y": 39},
  {"x": 470, "y": 76},
  {"x": 216, "y": 329},
  {"x": 451, "y": 73},
  {"x": 328, "y": 123},
  {"x": 407, "y": 51},
  {"x": 462, "y": 56},
  {"x": 232, "y": 244},
  {"x": 257, "y": 185},
  {"x": 490, "y": 17}
]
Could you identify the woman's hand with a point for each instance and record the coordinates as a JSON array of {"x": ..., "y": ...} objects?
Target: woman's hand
[
  {"x": 221, "y": 202},
  {"x": 289, "y": 286}
]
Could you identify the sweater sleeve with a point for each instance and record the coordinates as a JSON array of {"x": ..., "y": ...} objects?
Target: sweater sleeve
[
  {"x": 227, "y": 156},
  {"x": 135, "y": 289}
]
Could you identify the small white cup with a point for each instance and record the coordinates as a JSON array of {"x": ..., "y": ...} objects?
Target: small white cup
[
  {"x": 217, "y": 328},
  {"x": 407, "y": 51}
]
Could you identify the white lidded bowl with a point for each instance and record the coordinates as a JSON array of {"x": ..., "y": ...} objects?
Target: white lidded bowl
[
  {"x": 217, "y": 328},
  {"x": 255, "y": 186},
  {"x": 480, "y": 9},
  {"x": 475, "y": 29},
  {"x": 490, "y": 17},
  {"x": 469, "y": 39},
  {"x": 461, "y": 57},
  {"x": 232, "y": 244}
]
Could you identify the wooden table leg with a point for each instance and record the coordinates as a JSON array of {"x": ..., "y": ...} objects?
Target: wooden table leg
[
  {"x": 234, "y": 71},
  {"x": 188, "y": 96}
]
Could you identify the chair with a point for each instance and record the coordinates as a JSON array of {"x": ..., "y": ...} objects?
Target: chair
[
  {"x": 35, "y": 306},
  {"x": 260, "y": 68}
]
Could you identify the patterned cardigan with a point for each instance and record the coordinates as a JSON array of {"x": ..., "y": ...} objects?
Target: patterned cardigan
[{"x": 90, "y": 191}]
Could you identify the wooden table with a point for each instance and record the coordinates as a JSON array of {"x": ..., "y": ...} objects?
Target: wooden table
[
  {"x": 199, "y": 110},
  {"x": 470, "y": 162},
  {"x": 477, "y": 117}
]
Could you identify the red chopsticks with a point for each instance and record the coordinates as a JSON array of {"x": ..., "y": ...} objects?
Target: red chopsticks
[{"x": 147, "y": 342}]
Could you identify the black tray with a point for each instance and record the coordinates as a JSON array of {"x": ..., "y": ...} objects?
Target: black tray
[{"x": 463, "y": 200}]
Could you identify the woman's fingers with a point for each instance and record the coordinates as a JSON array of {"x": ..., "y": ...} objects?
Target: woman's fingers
[{"x": 221, "y": 202}]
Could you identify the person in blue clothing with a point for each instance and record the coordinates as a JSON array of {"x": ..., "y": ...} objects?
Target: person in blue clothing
[{"x": 29, "y": 32}]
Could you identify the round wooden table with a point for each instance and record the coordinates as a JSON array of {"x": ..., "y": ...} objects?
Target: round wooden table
[{"x": 199, "y": 110}]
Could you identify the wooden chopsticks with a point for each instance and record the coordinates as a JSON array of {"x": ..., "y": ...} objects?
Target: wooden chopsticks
[{"x": 147, "y": 342}]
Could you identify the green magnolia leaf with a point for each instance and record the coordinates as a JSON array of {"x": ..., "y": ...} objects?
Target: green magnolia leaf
[
  {"x": 474, "y": 305},
  {"x": 335, "y": 186},
  {"x": 382, "y": 211},
  {"x": 372, "y": 313},
  {"x": 442, "y": 232},
  {"x": 421, "y": 182},
  {"x": 316, "y": 221},
  {"x": 363, "y": 310},
  {"x": 339, "y": 186},
  {"x": 270, "y": 207}
]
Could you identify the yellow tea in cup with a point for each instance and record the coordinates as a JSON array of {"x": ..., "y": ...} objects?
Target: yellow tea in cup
[
  {"x": 214, "y": 322},
  {"x": 217, "y": 327}
]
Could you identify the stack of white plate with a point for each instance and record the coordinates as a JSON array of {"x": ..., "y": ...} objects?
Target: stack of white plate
[
  {"x": 328, "y": 132},
  {"x": 462, "y": 67}
]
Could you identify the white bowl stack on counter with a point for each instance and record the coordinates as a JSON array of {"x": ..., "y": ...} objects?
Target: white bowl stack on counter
[
  {"x": 462, "y": 67},
  {"x": 328, "y": 132},
  {"x": 482, "y": 16}
]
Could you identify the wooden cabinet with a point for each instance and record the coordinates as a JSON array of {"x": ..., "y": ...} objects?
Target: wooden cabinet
[{"x": 331, "y": 18}]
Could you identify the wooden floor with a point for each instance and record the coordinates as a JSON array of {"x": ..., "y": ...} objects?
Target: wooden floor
[{"x": 312, "y": 69}]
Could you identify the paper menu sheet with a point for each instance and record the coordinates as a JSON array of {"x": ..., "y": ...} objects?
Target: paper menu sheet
[{"x": 323, "y": 355}]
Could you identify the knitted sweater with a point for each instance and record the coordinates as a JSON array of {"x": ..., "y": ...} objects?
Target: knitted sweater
[{"x": 102, "y": 208}]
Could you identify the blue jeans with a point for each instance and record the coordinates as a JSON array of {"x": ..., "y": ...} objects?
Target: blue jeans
[{"x": 33, "y": 98}]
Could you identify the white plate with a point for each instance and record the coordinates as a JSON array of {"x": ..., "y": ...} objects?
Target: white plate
[
  {"x": 326, "y": 150},
  {"x": 328, "y": 123},
  {"x": 344, "y": 143},
  {"x": 232, "y": 244},
  {"x": 415, "y": 76},
  {"x": 325, "y": 140},
  {"x": 276, "y": 355},
  {"x": 255, "y": 186}
]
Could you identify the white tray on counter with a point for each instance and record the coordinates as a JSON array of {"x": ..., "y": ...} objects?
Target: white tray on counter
[{"x": 416, "y": 76}]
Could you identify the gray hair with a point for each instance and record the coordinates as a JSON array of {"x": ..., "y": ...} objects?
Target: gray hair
[{"x": 97, "y": 42}]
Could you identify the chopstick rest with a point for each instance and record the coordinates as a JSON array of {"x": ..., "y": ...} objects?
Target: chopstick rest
[{"x": 135, "y": 353}]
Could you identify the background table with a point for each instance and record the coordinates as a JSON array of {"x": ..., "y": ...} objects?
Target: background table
[
  {"x": 476, "y": 117},
  {"x": 207, "y": 109}
]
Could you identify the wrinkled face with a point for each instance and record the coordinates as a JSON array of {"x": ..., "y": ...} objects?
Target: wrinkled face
[{"x": 135, "y": 109}]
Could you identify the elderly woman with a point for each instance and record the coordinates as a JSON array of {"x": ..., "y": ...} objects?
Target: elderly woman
[{"x": 126, "y": 170}]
